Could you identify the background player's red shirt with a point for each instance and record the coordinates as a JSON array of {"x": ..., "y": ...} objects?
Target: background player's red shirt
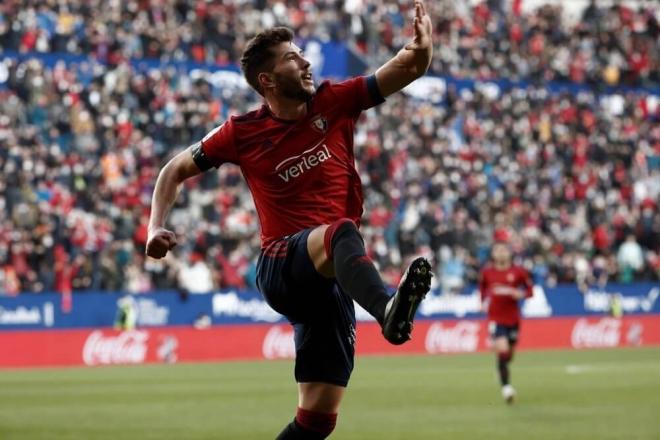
[
  {"x": 301, "y": 173},
  {"x": 495, "y": 284}
]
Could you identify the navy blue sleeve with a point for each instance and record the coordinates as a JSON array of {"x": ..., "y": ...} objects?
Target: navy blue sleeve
[{"x": 374, "y": 91}]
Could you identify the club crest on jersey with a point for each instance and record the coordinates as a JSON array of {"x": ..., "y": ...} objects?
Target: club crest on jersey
[
  {"x": 320, "y": 124},
  {"x": 509, "y": 278}
]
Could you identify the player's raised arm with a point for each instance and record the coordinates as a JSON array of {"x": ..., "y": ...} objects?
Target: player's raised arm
[
  {"x": 179, "y": 168},
  {"x": 412, "y": 61}
]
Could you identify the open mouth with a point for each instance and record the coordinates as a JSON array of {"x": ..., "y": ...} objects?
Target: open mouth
[{"x": 307, "y": 77}]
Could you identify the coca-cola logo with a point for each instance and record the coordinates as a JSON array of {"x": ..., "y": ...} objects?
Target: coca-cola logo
[
  {"x": 279, "y": 343},
  {"x": 604, "y": 333},
  {"x": 125, "y": 348},
  {"x": 462, "y": 337}
]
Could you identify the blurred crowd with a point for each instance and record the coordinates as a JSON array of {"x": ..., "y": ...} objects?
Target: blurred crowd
[
  {"x": 474, "y": 39},
  {"x": 571, "y": 181}
]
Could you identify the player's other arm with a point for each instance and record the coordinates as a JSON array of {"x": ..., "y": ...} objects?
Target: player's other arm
[
  {"x": 483, "y": 292},
  {"x": 412, "y": 61},
  {"x": 179, "y": 168},
  {"x": 525, "y": 284}
]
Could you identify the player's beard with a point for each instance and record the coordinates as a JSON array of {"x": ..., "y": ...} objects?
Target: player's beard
[{"x": 292, "y": 88}]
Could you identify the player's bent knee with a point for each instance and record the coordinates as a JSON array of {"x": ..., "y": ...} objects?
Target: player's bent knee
[
  {"x": 317, "y": 422},
  {"x": 501, "y": 345},
  {"x": 335, "y": 228},
  {"x": 320, "y": 397}
]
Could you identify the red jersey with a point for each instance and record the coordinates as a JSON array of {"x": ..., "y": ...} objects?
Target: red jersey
[
  {"x": 301, "y": 173},
  {"x": 496, "y": 285}
]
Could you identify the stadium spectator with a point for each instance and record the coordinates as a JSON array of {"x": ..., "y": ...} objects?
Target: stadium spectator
[
  {"x": 630, "y": 259},
  {"x": 195, "y": 275}
]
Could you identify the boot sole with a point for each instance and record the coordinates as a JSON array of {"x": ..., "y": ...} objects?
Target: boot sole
[{"x": 413, "y": 289}]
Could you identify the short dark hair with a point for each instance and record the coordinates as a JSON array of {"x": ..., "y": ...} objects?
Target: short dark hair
[{"x": 258, "y": 56}]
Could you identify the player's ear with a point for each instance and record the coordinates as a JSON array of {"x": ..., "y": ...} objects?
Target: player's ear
[{"x": 266, "y": 80}]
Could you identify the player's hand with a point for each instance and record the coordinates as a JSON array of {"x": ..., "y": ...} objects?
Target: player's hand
[
  {"x": 160, "y": 241},
  {"x": 517, "y": 293},
  {"x": 422, "y": 27}
]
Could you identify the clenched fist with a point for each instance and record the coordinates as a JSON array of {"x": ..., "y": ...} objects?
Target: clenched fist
[{"x": 160, "y": 241}]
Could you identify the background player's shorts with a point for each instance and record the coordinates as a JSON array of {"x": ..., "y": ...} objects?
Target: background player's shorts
[
  {"x": 322, "y": 315},
  {"x": 508, "y": 331}
]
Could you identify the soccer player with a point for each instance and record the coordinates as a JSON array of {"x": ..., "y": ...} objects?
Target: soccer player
[
  {"x": 502, "y": 286},
  {"x": 296, "y": 153}
]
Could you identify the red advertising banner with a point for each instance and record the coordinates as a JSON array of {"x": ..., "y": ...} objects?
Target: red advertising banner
[
  {"x": 465, "y": 336},
  {"x": 261, "y": 341}
]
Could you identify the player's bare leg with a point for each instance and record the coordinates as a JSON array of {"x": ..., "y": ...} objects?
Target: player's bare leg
[
  {"x": 316, "y": 250},
  {"x": 504, "y": 352},
  {"x": 338, "y": 250},
  {"x": 320, "y": 397},
  {"x": 318, "y": 405}
]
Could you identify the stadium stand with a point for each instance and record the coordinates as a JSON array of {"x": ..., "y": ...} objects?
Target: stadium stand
[
  {"x": 571, "y": 179},
  {"x": 494, "y": 38}
]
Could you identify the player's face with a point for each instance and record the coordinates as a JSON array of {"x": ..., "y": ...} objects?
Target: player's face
[
  {"x": 501, "y": 254},
  {"x": 292, "y": 73}
]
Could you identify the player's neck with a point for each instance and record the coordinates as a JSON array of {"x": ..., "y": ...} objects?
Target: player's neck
[
  {"x": 501, "y": 265},
  {"x": 287, "y": 109}
]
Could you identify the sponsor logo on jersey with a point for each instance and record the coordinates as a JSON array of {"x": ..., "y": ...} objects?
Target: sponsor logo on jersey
[{"x": 296, "y": 166}]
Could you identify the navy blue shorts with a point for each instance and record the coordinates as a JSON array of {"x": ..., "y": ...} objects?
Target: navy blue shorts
[
  {"x": 322, "y": 315},
  {"x": 508, "y": 331}
]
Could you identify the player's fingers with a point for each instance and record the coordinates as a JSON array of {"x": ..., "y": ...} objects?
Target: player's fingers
[
  {"x": 419, "y": 30},
  {"x": 419, "y": 26},
  {"x": 422, "y": 7},
  {"x": 158, "y": 254},
  {"x": 168, "y": 238},
  {"x": 418, "y": 9},
  {"x": 159, "y": 245},
  {"x": 156, "y": 249}
]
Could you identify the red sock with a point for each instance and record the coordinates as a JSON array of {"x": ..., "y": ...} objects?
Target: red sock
[
  {"x": 322, "y": 423},
  {"x": 503, "y": 359}
]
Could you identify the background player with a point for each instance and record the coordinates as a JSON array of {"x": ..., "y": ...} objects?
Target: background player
[
  {"x": 296, "y": 153},
  {"x": 502, "y": 286}
]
